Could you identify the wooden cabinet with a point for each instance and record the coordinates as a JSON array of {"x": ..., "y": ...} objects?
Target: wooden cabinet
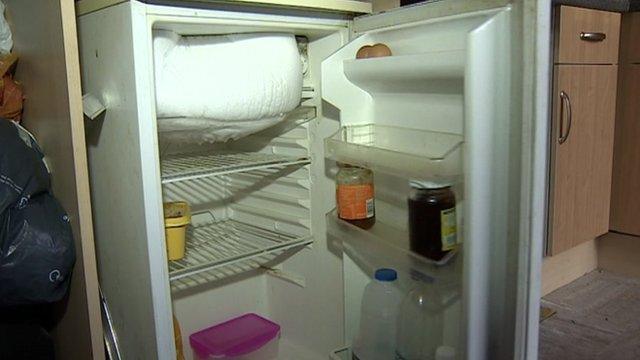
[
  {"x": 625, "y": 190},
  {"x": 585, "y": 36},
  {"x": 629, "y": 38},
  {"x": 625, "y": 196},
  {"x": 582, "y": 126},
  {"x": 44, "y": 34},
  {"x": 582, "y": 152}
]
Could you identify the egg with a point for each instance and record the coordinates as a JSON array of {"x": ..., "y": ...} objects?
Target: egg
[
  {"x": 363, "y": 52},
  {"x": 379, "y": 50},
  {"x": 371, "y": 51}
]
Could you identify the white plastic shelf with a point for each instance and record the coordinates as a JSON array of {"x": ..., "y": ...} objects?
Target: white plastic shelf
[
  {"x": 195, "y": 166},
  {"x": 225, "y": 248},
  {"x": 411, "y": 153},
  {"x": 405, "y": 73},
  {"x": 384, "y": 246}
]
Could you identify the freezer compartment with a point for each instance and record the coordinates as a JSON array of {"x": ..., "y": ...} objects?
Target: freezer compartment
[
  {"x": 399, "y": 151},
  {"x": 219, "y": 87},
  {"x": 280, "y": 84}
]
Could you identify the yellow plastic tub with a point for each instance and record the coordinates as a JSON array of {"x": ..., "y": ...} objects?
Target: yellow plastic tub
[{"x": 177, "y": 216}]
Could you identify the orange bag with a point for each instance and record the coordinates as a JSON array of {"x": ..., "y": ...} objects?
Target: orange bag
[{"x": 11, "y": 94}]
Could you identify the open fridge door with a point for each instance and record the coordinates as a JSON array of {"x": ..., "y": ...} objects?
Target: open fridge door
[{"x": 440, "y": 108}]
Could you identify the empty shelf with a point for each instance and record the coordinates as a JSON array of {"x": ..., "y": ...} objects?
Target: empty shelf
[
  {"x": 228, "y": 243},
  {"x": 404, "y": 152},
  {"x": 194, "y": 166}
]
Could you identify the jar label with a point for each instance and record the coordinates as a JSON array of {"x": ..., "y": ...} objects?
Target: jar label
[
  {"x": 355, "y": 202},
  {"x": 448, "y": 229}
]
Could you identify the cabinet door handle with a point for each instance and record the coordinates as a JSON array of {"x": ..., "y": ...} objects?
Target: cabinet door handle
[
  {"x": 565, "y": 103},
  {"x": 593, "y": 36}
]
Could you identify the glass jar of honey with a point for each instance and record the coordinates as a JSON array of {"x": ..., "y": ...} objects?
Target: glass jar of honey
[
  {"x": 355, "y": 195},
  {"x": 432, "y": 219}
]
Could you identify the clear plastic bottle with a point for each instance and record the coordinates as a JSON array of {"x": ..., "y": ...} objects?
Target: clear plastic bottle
[
  {"x": 376, "y": 339},
  {"x": 420, "y": 323}
]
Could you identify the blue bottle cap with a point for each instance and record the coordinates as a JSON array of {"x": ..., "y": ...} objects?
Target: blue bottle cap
[{"x": 386, "y": 275}]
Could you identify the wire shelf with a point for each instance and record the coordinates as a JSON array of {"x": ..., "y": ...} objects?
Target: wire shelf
[
  {"x": 195, "y": 166},
  {"x": 232, "y": 245}
]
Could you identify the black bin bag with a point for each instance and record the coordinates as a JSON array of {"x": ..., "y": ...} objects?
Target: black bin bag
[
  {"x": 22, "y": 171},
  {"x": 36, "y": 243},
  {"x": 37, "y": 252}
]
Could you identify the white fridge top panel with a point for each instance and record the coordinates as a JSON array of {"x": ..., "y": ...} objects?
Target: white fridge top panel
[
  {"x": 423, "y": 12},
  {"x": 348, "y": 6}
]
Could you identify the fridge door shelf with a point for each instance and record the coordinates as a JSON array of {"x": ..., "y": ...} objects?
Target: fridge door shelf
[
  {"x": 405, "y": 73},
  {"x": 411, "y": 153},
  {"x": 198, "y": 165},
  {"x": 225, "y": 248},
  {"x": 386, "y": 246}
]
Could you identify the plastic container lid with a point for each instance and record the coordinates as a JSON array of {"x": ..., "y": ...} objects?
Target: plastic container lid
[
  {"x": 420, "y": 184},
  {"x": 386, "y": 275},
  {"x": 176, "y": 214},
  {"x": 236, "y": 337}
]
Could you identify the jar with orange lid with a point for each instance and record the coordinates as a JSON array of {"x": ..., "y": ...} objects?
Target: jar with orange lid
[{"x": 355, "y": 195}]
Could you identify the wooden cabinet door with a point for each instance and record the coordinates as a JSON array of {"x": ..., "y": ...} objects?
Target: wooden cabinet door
[
  {"x": 629, "y": 42},
  {"x": 625, "y": 193},
  {"x": 44, "y": 34},
  {"x": 585, "y": 36},
  {"x": 582, "y": 153}
]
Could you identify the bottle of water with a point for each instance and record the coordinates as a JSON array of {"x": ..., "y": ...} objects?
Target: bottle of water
[
  {"x": 420, "y": 324},
  {"x": 376, "y": 339}
]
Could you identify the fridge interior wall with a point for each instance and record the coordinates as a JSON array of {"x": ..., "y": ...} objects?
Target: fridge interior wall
[{"x": 306, "y": 299}]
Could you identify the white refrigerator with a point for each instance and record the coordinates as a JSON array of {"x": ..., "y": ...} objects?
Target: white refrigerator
[{"x": 264, "y": 236}]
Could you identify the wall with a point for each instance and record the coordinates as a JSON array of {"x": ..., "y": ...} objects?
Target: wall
[
  {"x": 567, "y": 266},
  {"x": 45, "y": 39}
]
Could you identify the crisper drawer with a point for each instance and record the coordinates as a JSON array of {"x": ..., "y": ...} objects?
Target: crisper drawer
[{"x": 585, "y": 36}]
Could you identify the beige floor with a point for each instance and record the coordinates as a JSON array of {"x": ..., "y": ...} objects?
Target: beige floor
[{"x": 598, "y": 317}]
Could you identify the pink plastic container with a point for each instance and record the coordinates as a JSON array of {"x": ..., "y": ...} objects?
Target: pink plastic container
[{"x": 249, "y": 336}]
